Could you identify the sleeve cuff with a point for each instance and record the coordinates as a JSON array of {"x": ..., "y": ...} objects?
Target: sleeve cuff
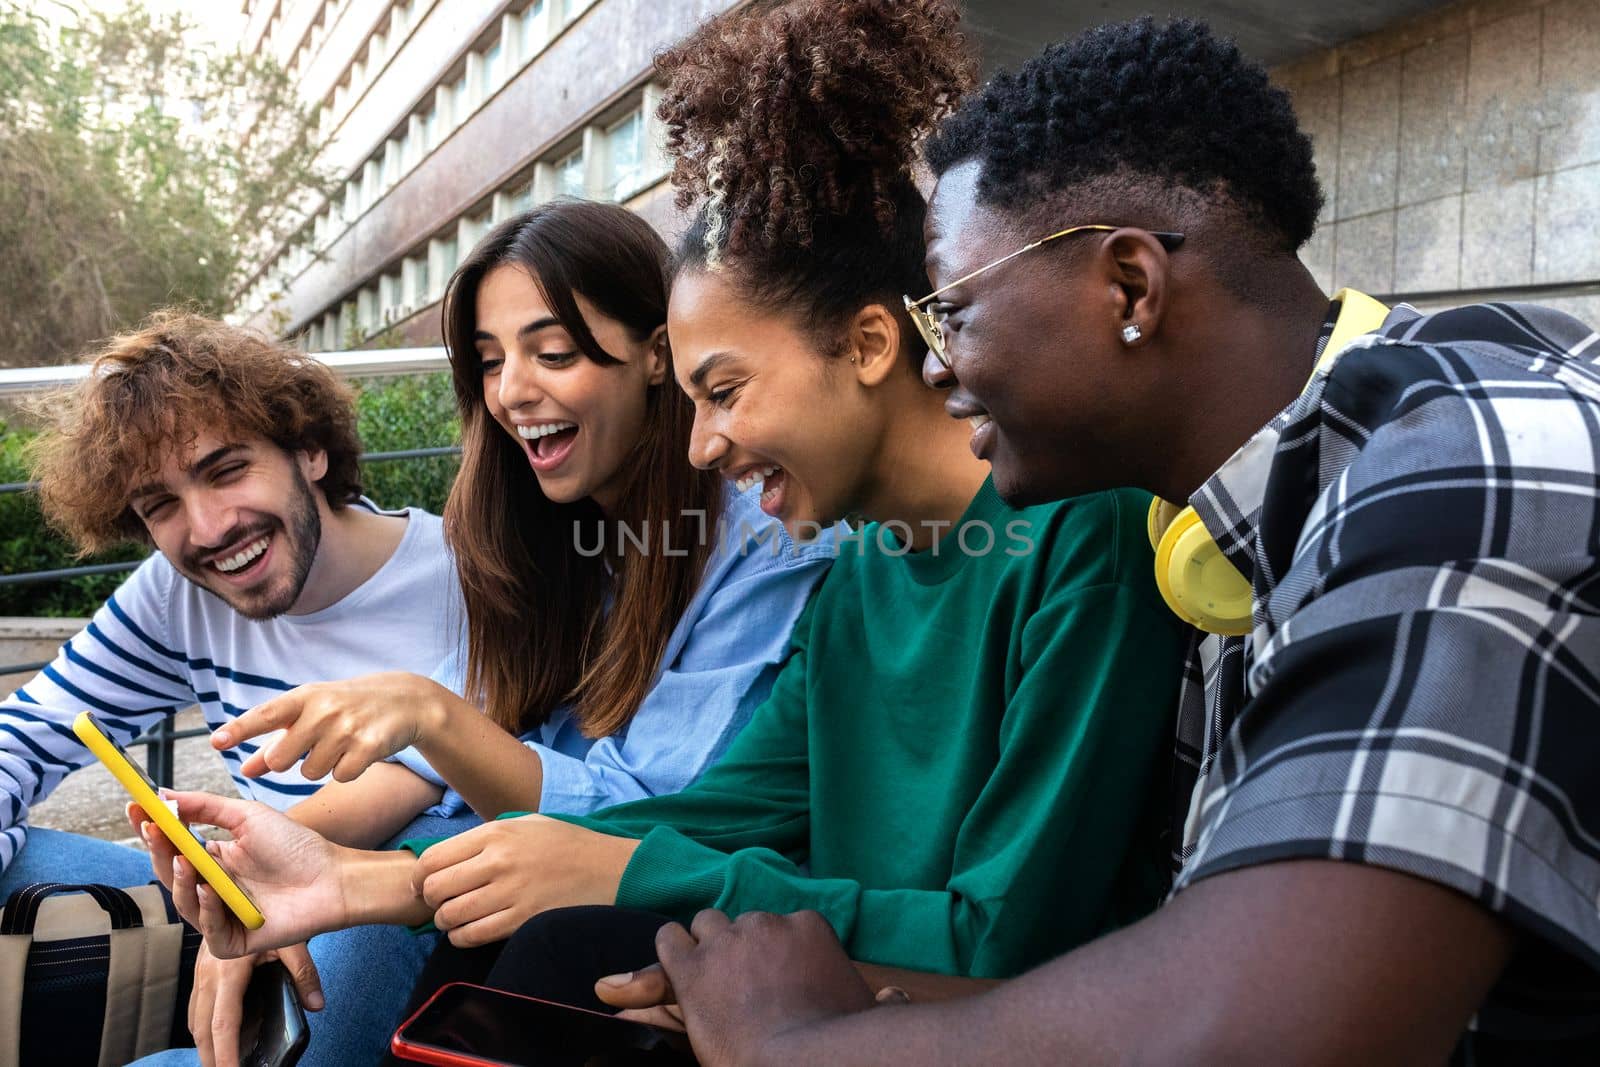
[
  {"x": 1533, "y": 877},
  {"x": 567, "y": 785},
  {"x": 417, "y": 846},
  {"x": 671, "y": 874},
  {"x": 412, "y": 760}
]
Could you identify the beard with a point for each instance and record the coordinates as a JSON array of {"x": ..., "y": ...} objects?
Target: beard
[{"x": 301, "y": 534}]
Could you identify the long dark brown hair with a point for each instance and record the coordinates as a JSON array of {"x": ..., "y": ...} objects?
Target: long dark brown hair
[{"x": 547, "y": 623}]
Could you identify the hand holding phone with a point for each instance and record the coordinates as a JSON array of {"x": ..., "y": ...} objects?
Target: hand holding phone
[
  {"x": 466, "y": 1025},
  {"x": 146, "y": 794},
  {"x": 292, "y": 872}
]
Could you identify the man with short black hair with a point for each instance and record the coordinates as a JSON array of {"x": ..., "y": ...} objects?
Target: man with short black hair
[{"x": 1386, "y": 826}]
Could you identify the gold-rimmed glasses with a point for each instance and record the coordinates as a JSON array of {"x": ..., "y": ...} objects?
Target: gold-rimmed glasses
[{"x": 931, "y": 325}]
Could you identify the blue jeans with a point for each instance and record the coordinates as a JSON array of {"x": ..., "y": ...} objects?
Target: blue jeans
[
  {"x": 57, "y": 856},
  {"x": 367, "y": 973}
]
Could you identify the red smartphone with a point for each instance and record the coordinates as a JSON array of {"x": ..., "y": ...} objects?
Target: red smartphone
[{"x": 465, "y": 1025}]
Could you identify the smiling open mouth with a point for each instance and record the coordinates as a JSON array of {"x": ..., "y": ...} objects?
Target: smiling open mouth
[
  {"x": 243, "y": 562},
  {"x": 982, "y": 436},
  {"x": 755, "y": 478},
  {"x": 240, "y": 560},
  {"x": 772, "y": 480},
  {"x": 549, "y": 443}
]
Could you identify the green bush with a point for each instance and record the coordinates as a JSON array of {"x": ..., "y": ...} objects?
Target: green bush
[
  {"x": 27, "y": 544},
  {"x": 393, "y": 414}
]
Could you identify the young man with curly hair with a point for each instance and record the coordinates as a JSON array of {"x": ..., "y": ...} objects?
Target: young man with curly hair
[
  {"x": 237, "y": 460},
  {"x": 1386, "y": 817}
]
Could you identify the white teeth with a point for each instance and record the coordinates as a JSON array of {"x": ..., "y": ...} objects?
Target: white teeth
[
  {"x": 545, "y": 429},
  {"x": 239, "y": 559},
  {"x": 978, "y": 422},
  {"x": 745, "y": 484}
]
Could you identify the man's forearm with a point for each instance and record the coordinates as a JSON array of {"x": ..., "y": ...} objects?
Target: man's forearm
[
  {"x": 922, "y": 986},
  {"x": 1287, "y": 962}
]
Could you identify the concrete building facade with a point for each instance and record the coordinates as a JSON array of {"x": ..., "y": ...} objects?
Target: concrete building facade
[
  {"x": 1460, "y": 154},
  {"x": 1459, "y": 144},
  {"x": 444, "y": 117}
]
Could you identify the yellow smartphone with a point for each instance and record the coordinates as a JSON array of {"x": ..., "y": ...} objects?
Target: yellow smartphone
[{"x": 147, "y": 795}]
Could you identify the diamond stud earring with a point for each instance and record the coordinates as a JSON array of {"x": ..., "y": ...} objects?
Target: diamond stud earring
[{"x": 1131, "y": 333}]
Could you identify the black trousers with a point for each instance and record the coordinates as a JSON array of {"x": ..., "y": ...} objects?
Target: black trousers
[{"x": 557, "y": 955}]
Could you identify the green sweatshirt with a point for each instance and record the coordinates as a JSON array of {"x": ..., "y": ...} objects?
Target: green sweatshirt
[{"x": 959, "y": 764}]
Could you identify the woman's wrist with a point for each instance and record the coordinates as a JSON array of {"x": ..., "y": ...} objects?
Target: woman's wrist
[
  {"x": 439, "y": 707},
  {"x": 376, "y": 887}
]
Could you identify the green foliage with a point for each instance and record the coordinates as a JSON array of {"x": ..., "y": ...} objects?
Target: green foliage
[
  {"x": 136, "y": 171},
  {"x": 393, "y": 414},
  {"x": 27, "y": 544},
  {"x": 417, "y": 411}
]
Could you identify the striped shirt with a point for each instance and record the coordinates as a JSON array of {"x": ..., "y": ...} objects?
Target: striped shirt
[
  {"x": 1421, "y": 687},
  {"x": 162, "y": 643}
]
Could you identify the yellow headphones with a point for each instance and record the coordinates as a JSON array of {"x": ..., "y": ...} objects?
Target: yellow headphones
[{"x": 1195, "y": 578}]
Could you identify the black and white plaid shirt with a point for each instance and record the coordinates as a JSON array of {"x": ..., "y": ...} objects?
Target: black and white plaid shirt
[{"x": 1421, "y": 689}]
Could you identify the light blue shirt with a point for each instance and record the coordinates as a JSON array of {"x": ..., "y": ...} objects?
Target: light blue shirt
[{"x": 718, "y": 666}]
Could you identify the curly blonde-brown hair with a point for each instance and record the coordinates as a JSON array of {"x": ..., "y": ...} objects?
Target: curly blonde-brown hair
[
  {"x": 161, "y": 385},
  {"x": 816, "y": 108}
]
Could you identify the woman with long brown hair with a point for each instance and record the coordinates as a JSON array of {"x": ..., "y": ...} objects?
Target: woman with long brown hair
[
  {"x": 625, "y": 612},
  {"x": 614, "y": 584}
]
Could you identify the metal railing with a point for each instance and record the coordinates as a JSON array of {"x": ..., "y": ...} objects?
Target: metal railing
[
  {"x": 159, "y": 740},
  {"x": 23, "y": 381}
]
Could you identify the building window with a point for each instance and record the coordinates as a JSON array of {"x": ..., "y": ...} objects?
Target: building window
[
  {"x": 393, "y": 153},
  {"x": 448, "y": 256},
  {"x": 416, "y": 280},
  {"x": 411, "y": 145},
  {"x": 570, "y": 176},
  {"x": 493, "y": 73},
  {"x": 532, "y": 29},
  {"x": 459, "y": 109},
  {"x": 371, "y": 182},
  {"x": 522, "y": 197},
  {"x": 430, "y": 130},
  {"x": 624, "y": 157},
  {"x": 471, "y": 228}
]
